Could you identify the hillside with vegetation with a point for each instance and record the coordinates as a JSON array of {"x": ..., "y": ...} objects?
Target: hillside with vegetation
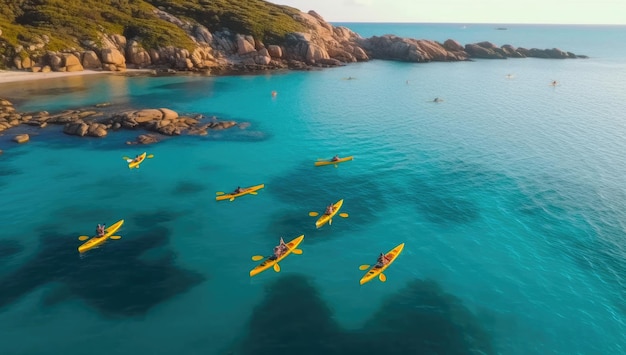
[{"x": 66, "y": 24}]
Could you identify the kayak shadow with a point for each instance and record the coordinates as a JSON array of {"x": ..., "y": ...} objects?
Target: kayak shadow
[
  {"x": 441, "y": 198},
  {"x": 188, "y": 187},
  {"x": 114, "y": 279},
  {"x": 439, "y": 206},
  {"x": 419, "y": 319}
]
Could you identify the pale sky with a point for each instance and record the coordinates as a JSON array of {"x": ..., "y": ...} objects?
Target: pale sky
[{"x": 467, "y": 11}]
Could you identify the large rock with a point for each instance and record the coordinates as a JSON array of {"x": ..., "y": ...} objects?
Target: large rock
[
  {"x": 113, "y": 58},
  {"x": 21, "y": 138},
  {"x": 91, "y": 60},
  {"x": 407, "y": 49},
  {"x": 27, "y": 63},
  {"x": 244, "y": 45},
  {"x": 55, "y": 61},
  {"x": 97, "y": 130},
  {"x": 262, "y": 60},
  {"x": 476, "y": 50},
  {"x": 78, "y": 128},
  {"x": 203, "y": 35},
  {"x": 275, "y": 51},
  {"x": 168, "y": 114},
  {"x": 315, "y": 53},
  {"x": 137, "y": 55},
  {"x": 452, "y": 45},
  {"x": 70, "y": 59},
  {"x": 146, "y": 115}
]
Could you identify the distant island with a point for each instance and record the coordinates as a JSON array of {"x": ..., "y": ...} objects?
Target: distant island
[{"x": 206, "y": 36}]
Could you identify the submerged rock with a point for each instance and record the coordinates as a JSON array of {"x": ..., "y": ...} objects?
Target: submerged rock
[
  {"x": 21, "y": 138},
  {"x": 93, "y": 123}
]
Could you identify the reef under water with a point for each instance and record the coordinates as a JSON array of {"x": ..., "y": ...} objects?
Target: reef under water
[{"x": 419, "y": 319}]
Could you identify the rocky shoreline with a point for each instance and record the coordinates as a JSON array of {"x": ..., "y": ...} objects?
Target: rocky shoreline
[
  {"x": 225, "y": 52},
  {"x": 97, "y": 122}
]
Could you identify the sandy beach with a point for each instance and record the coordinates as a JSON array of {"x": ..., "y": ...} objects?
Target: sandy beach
[{"x": 10, "y": 76}]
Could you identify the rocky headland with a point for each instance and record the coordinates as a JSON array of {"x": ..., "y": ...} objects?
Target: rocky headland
[{"x": 316, "y": 43}]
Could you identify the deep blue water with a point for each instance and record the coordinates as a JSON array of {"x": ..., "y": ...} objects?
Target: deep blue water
[{"x": 509, "y": 196}]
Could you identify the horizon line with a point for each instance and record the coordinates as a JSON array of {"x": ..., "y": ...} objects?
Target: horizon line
[{"x": 486, "y": 23}]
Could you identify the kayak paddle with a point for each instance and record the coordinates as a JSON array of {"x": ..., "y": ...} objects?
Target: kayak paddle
[
  {"x": 260, "y": 257},
  {"x": 85, "y": 237},
  {"x": 315, "y": 214},
  {"x": 150, "y": 156},
  {"x": 364, "y": 267}
]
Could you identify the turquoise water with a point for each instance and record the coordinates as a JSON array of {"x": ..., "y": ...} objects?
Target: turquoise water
[{"x": 509, "y": 196}]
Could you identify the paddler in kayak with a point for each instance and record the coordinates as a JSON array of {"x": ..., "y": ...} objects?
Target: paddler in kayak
[
  {"x": 335, "y": 158},
  {"x": 238, "y": 190},
  {"x": 279, "y": 250},
  {"x": 100, "y": 230},
  {"x": 382, "y": 260},
  {"x": 329, "y": 209}
]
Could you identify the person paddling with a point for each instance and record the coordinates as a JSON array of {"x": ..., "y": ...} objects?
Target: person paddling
[
  {"x": 335, "y": 158},
  {"x": 100, "y": 230},
  {"x": 329, "y": 209},
  {"x": 382, "y": 260},
  {"x": 279, "y": 250}
]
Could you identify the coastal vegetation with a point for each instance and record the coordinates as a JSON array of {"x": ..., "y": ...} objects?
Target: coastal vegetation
[{"x": 70, "y": 24}]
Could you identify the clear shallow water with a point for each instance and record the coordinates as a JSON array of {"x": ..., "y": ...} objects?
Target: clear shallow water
[{"x": 509, "y": 196}]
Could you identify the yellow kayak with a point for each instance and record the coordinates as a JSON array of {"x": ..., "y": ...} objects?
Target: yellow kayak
[
  {"x": 246, "y": 191},
  {"x": 268, "y": 263},
  {"x": 325, "y": 218},
  {"x": 331, "y": 162},
  {"x": 95, "y": 241},
  {"x": 135, "y": 164},
  {"x": 375, "y": 271}
]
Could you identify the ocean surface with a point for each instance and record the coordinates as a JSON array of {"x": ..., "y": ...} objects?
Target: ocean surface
[{"x": 510, "y": 197}]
